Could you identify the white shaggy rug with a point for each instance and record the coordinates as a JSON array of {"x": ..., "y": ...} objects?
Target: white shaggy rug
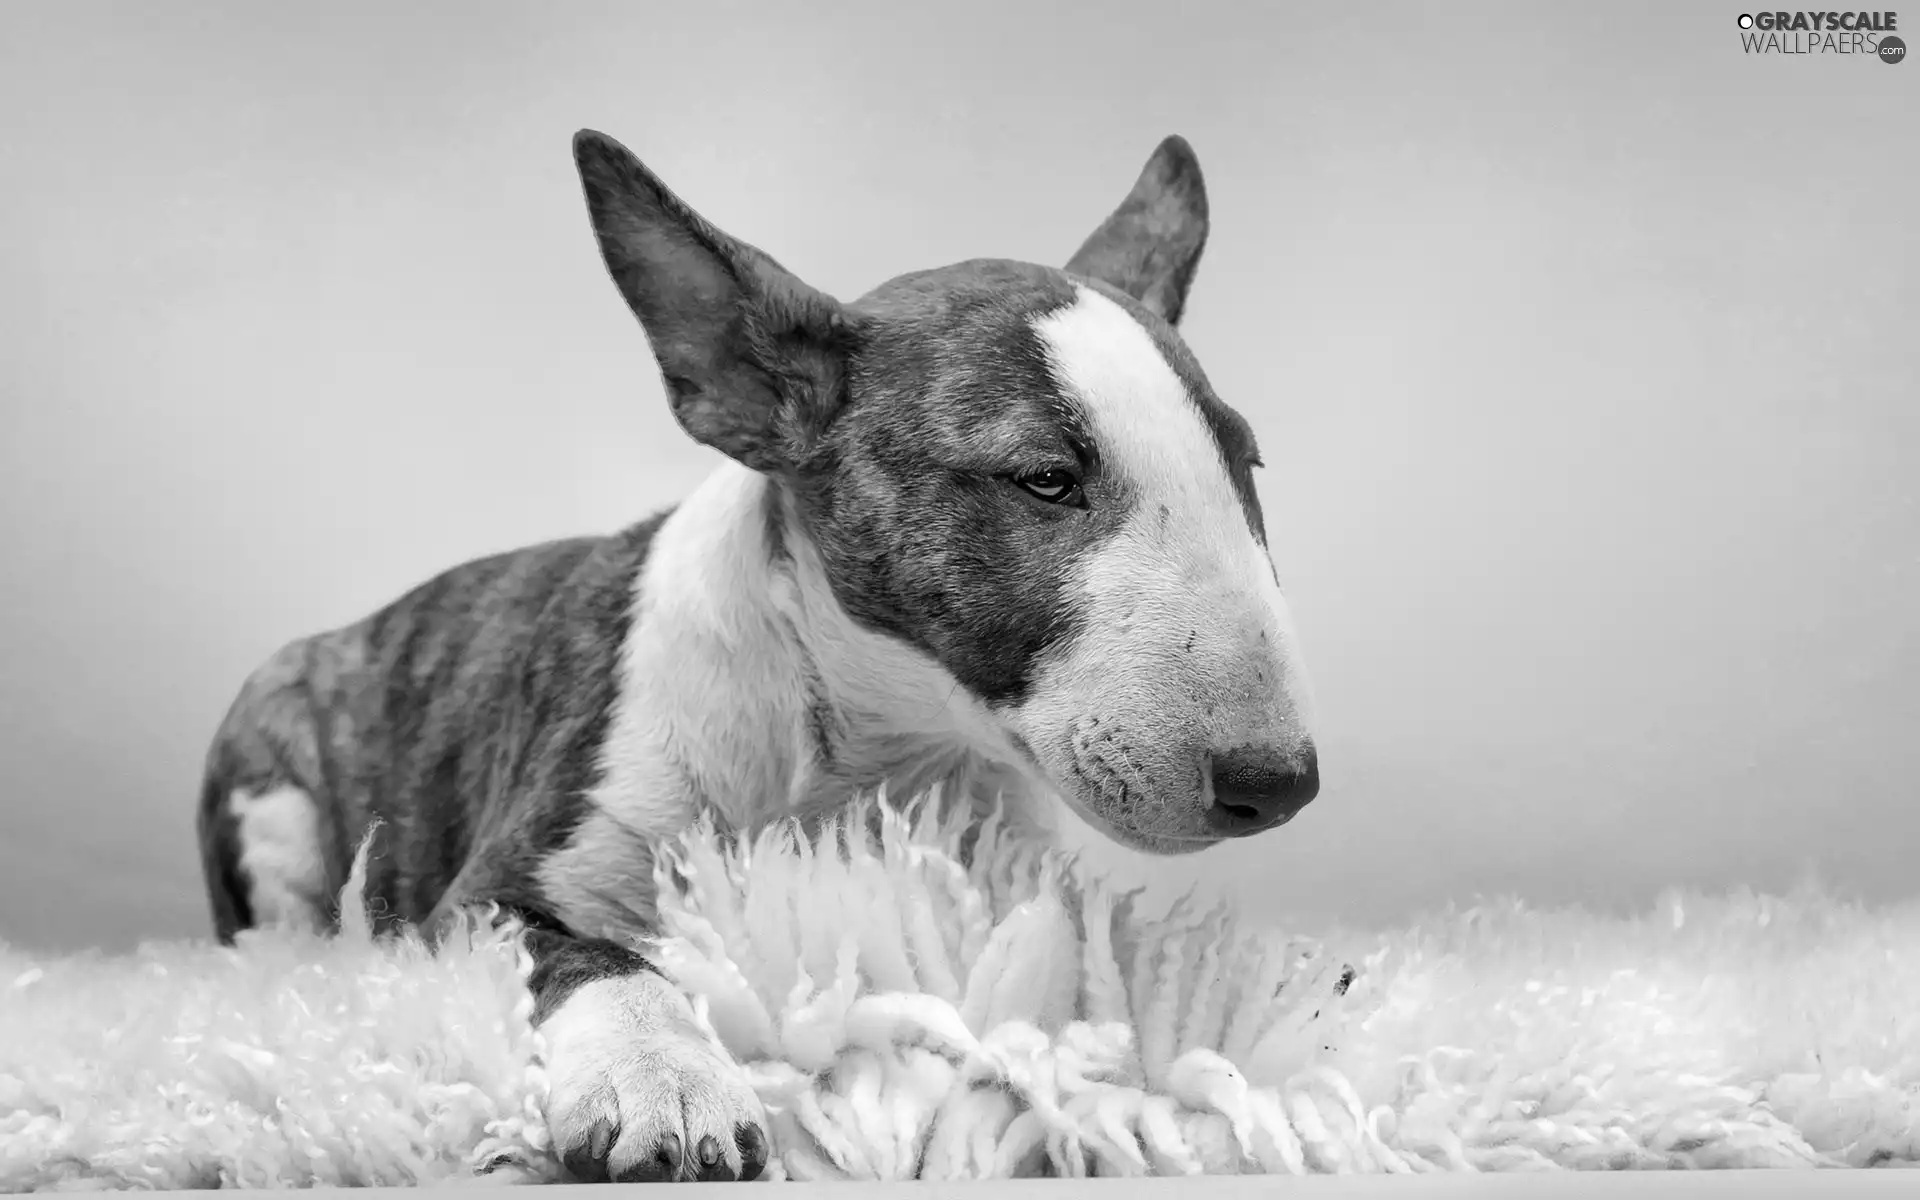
[{"x": 906, "y": 1016}]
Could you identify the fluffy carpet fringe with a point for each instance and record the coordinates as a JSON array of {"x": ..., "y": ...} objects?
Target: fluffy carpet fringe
[{"x": 906, "y": 1014}]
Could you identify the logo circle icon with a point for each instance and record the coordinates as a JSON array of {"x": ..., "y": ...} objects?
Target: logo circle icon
[
  {"x": 1746, "y": 20},
  {"x": 1892, "y": 50}
]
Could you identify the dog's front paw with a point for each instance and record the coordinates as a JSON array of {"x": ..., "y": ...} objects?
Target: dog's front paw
[{"x": 639, "y": 1094}]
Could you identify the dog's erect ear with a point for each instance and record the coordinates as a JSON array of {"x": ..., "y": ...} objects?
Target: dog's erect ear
[
  {"x": 1151, "y": 244},
  {"x": 753, "y": 358}
]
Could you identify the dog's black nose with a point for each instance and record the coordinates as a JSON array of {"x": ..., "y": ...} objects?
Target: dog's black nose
[{"x": 1255, "y": 790}]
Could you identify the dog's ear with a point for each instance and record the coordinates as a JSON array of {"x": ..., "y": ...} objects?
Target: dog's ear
[
  {"x": 1151, "y": 244},
  {"x": 753, "y": 359}
]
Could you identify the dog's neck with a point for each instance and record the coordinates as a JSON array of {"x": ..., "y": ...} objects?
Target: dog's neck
[{"x": 747, "y": 690}]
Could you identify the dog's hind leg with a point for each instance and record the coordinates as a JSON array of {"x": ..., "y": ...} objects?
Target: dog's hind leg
[
  {"x": 227, "y": 885},
  {"x": 269, "y": 831},
  {"x": 263, "y": 856}
]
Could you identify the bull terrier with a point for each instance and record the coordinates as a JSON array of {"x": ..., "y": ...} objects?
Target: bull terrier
[{"x": 987, "y": 523}]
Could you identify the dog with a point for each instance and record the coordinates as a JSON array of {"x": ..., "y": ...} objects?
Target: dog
[{"x": 988, "y": 523}]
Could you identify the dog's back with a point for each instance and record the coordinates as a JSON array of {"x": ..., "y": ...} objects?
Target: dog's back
[{"x": 402, "y": 719}]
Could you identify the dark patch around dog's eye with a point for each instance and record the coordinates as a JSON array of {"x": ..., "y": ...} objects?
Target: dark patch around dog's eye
[{"x": 924, "y": 534}]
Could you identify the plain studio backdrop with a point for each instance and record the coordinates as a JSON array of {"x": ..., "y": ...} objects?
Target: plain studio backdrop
[{"x": 1581, "y": 346}]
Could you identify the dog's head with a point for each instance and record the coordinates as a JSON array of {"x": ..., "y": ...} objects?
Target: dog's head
[{"x": 1022, "y": 472}]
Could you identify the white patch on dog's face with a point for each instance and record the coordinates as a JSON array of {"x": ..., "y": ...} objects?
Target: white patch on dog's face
[{"x": 1186, "y": 648}]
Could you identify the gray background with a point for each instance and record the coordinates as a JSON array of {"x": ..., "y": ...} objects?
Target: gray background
[{"x": 1582, "y": 347}]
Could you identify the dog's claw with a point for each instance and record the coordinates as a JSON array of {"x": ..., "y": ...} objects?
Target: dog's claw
[
  {"x": 753, "y": 1151},
  {"x": 662, "y": 1166},
  {"x": 587, "y": 1161},
  {"x": 714, "y": 1166}
]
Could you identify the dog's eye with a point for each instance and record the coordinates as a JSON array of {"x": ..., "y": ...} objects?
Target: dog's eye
[{"x": 1055, "y": 487}]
